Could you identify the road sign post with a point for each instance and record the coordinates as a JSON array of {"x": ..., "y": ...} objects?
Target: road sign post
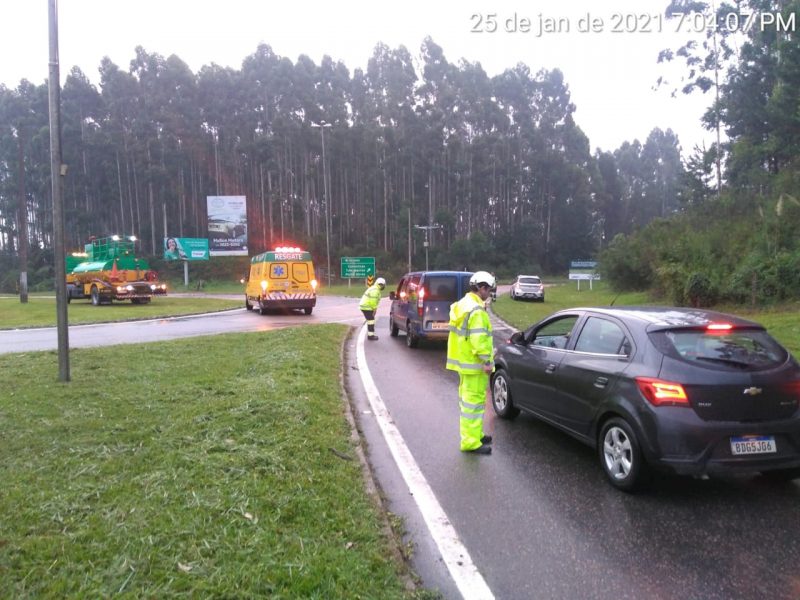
[
  {"x": 357, "y": 267},
  {"x": 583, "y": 270}
]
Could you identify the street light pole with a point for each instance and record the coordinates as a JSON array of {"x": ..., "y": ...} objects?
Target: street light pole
[
  {"x": 322, "y": 125},
  {"x": 427, "y": 228}
]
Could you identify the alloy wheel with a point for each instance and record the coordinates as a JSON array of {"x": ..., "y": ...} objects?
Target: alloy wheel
[
  {"x": 618, "y": 453},
  {"x": 500, "y": 393}
]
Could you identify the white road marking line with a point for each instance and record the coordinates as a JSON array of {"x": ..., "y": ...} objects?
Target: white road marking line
[{"x": 454, "y": 554}]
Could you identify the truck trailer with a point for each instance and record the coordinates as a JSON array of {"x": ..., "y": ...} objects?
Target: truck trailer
[{"x": 109, "y": 270}]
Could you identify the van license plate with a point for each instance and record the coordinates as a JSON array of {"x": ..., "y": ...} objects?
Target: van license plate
[
  {"x": 440, "y": 325},
  {"x": 753, "y": 444}
]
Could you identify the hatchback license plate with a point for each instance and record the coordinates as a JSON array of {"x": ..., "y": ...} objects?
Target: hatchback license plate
[
  {"x": 753, "y": 444},
  {"x": 440, "y": 325}
]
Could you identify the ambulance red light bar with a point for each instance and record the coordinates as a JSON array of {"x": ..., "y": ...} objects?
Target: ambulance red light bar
[{"x": 287, "y": 249}]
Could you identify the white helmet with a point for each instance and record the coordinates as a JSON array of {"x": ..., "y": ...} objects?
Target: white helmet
[
  {"x": 381, "y": 282},
  {"x": 481, "y": 277}
]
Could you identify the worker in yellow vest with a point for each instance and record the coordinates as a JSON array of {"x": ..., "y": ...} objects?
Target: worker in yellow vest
[
  {"x": 369, "y": 304},
  {"x": 470, "y": 352}
]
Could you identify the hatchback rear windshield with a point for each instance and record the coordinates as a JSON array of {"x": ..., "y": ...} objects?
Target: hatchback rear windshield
[
  {"x": 441, "y": 287},
  {"x": 535, "y": 280},
  {"x": 750, "y": 349}
]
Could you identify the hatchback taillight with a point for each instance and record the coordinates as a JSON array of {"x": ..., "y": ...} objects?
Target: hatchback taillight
[
  {"x": 662, "y": 393},
  {"x": 420, "y": 301}
]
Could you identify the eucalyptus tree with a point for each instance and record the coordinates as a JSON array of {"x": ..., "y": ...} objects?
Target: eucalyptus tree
[
  {"x": 86, "y": 150},
  {"x": 389, "y": 114},
  {"x": 119, "y": 91},
  {"x": 608, "y": 198}
]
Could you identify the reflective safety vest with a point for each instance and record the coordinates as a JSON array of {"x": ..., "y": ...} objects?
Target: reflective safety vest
[
  {"x": 370, "y": 299},
  {"x": 469, "y": 344}
]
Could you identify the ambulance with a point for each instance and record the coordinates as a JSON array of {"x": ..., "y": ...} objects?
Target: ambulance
[{"x": 281, "y": 279}]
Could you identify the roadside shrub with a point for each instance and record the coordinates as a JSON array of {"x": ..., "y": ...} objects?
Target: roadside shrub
[
  {"x": 670, "y": 282},
  {"x": 624, "y": 264},
  {"x": 699, "y": 290},
  {"x": 765, "y": 279}
]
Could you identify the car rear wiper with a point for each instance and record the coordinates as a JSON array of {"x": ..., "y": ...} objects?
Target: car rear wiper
[{"x": 726, "y": 361}]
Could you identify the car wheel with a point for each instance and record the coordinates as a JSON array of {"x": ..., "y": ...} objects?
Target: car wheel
[
  {"x": 308, "y": 310},
  {"x": 412, "y": 341},
  {"x": 95, "y": 293},
  {"x": 262, "y": 310},
  {"x": 501, "y": 396},
  {"x": 513, "y": 295},
  {"x": 620, "y": 455},
  {"x": 247, "y": 304},
  {"x": 393, "y": 328},
  {"x": 781, "y": 475}
]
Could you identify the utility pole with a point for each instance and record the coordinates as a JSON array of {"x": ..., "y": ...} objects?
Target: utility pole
[
  {"x": 57, "y": 171},
  {"x": 322, "y": 125},
  {"x": 427, "y": 228}
]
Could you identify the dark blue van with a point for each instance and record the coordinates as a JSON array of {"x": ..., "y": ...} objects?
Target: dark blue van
[{"x": 421, "y": 304}]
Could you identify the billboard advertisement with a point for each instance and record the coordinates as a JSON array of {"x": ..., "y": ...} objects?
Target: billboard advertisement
[
  {"x": 177, "y": 248},
  {"x": 227, "y": 225}
]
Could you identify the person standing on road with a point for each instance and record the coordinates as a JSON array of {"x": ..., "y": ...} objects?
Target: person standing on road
[
  {"x": 369, "y": 304},
  {"x": 470, "y": 352}
]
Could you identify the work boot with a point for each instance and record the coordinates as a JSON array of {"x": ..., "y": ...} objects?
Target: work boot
[
  {"x": 486, "y": 439},
  {"x": 482, "y": 449},
  {"x": 372, "y": 338}
]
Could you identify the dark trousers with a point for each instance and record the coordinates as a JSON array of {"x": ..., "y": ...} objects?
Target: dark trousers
[{"x": 369, "y": 315}]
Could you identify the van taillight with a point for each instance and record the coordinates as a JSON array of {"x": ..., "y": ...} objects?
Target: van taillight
[
  {"x": 662, "y": 393},
  {"x": 420, "y": 301}
]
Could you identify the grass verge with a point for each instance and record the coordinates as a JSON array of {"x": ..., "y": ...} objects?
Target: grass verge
[
  {"x": 41, "y": 311},
  {"x": 210, "y": 467},
  {"x": 783, "y": 322}
]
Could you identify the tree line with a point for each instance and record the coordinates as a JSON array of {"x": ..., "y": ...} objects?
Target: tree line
[
  {"x": 498, "y": 162},
  {"x": 739, "y": 244}
]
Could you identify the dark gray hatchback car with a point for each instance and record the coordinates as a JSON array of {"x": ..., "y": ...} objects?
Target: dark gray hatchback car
[{"x": 690, "y": 391}]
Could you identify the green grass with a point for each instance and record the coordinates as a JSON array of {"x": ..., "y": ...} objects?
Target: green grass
[
  {"x": 210, "y": 467},
  {"x": 564, "y": 294},
  {"x": 41, "y": 311},
  {"x": 783, "y": 322}
]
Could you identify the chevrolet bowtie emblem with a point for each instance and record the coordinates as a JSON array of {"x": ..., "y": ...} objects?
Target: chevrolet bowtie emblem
[{"x": 752, "y": 391}]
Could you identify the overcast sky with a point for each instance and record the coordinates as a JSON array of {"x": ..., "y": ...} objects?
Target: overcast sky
[{"x": 610, "y": 74}]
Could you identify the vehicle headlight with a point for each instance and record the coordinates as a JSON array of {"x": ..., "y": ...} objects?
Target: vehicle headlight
[
  {"x": 120, "y": 289},
  {"x": 153, "y": 286},
  {"x": 264, "y": 285},
  {"x": 314, "y": 283},
  {"x": 129, "y": 288}
]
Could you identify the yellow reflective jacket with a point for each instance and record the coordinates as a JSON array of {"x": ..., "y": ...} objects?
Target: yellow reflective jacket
[
  {"x": 469, "y": 344},
  {"x": 370, "y": 299}
]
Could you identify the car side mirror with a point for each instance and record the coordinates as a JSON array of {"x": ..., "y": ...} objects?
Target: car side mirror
[
  {"x": 518, "y": 338},
  {"x": 391, "y": 295}
]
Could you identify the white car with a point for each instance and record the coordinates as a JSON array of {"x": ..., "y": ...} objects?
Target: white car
[{"x": 527, "y": 286}]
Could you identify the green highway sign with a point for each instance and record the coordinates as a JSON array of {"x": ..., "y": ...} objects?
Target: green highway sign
[{"x": 355, "y": 267}]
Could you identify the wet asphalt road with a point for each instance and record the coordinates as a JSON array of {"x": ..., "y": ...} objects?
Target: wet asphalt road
[
  {"x": 540, "y": 521},
  {"x": 329, "y": 309}
]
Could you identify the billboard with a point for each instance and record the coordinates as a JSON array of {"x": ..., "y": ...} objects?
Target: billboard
[
  {"x": 176, "y": 248},
  {"x": 227, "y": 225}
]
